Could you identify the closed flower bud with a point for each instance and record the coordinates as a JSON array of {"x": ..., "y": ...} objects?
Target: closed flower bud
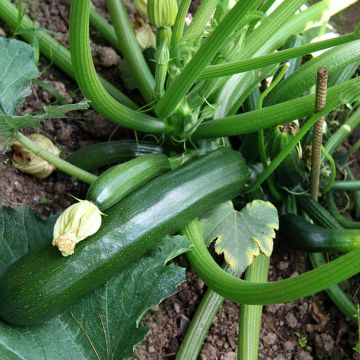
[
  {"x": 162, "y": 13},
  {"x": 26, "y": 161},
  {"x": 145, "y": 37},
  {"x": 141, "y": 6},
  {"x": 76, "y": 223}
]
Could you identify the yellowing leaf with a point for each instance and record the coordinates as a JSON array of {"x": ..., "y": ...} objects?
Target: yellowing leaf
[{"x": 242, "y": 235}]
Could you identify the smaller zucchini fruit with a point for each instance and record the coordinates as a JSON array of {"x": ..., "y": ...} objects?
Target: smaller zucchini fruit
[
  {"x": 303, "y": 235},
  {"x": 117, "y": 182},
  {"x": 108, "y": 153}
]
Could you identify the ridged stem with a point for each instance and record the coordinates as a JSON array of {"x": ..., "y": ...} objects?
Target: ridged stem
[
  {"x": 178, "y": 28},
  {"x": 342, "y": 185},
  {"x": 131, "y": 49},
  {"x": 261, "y": 137},
  {"x": 323, "y": 218},
  {"x": 239, "y": 66},
  {"x": 274, "y": 115},
  {"x": 250, "y": 315},
  {"x": 200, "y": 324},
  {"x": 104, "y": 29},
  {"x": 253, "y": 293},
  {"x": 88, "y": 80}
]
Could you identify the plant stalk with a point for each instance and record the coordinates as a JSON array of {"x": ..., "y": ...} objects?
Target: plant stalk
[
  {"x": 131, "y": 49},
  {"x": 200, "y": 324},
  {"x": 250, "y": 315}
]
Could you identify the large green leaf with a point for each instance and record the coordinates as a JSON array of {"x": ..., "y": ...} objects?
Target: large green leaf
[
  {"x": 17, "y": 69},
  {"x": 241, "y": 235},
  {"x": 106, "y": 324},
  {"x": 10, "y": 124}
]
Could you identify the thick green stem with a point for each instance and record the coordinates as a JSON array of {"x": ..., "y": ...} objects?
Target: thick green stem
[
  {"x": 104, "y": 29},
  {"x": 131, "y": 49},
  {"x": 235, "y": 67},
  {"x": 353, "y": 185},
  {"x": 178, "y": 28},
  {"x": 335, "y": 293},
  {"x": 59, "y": 163},
  {"x": 200, "y": 324},
  {"x": 253, "y": 293},
  {"x": 88, "y": 80},
  {"x": 201, "y": 18},
  {"x": 52, "y": 49},
  {"x": 261, "y": 137},
  {"x": 250, "y": 315},
  {"x": 271, "y": 116}
]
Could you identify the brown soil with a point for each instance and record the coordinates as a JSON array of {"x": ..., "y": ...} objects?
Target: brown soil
[{"x": 309, "y": 328}]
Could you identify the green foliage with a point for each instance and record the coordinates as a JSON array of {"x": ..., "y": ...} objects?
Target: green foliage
[
  {"x": 11, "y": 124},
  {"x": 17, "y": 69},
  {"x": 102, "y": 325},
  {"x": 241, "y": 235}
]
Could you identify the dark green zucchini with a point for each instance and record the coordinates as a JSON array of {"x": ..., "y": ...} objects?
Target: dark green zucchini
[
  {"x": 305, "y": 236},
  {"x": 103, "y": 154},
  {"x": 117, "y": 182},
  {"x": 43, "y": 283}
]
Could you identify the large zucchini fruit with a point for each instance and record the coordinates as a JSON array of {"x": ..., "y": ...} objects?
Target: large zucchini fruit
[{"x": 43, "y": 283}]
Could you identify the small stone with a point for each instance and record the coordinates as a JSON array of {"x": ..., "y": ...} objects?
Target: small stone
[
  {"x": 177, "y": 308},
  {"x": 303, "y": 355},
  {"x": 282, "y": 265},
  {"x": 108, "y": 57},
  {"x": 231, "y": 355},
  {"x": 289, "y": 345},
  {"x": 269, "y": 338},
  {"x": 325, "y": 342},
  {"x": 291, "y": 320},
  {"x": 151, "y": 349}
]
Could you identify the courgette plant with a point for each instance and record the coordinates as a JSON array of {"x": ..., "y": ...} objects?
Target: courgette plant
[{"x": 220, "y": 136}]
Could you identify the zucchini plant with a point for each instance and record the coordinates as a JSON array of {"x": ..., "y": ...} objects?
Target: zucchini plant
[{"x": 229, "y": 100}]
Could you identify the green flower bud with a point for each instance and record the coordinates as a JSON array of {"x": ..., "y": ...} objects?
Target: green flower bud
[
  {"x": 141, "y": 6},
  {"x": 145, "y": 37},
  {"x": 162, "y": 13},
  {"x": 76, "y": 223},
  {"x": 26, "y": 161}
]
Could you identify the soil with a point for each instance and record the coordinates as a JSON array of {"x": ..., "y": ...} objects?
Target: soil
[{"x": 310, "y": 328}]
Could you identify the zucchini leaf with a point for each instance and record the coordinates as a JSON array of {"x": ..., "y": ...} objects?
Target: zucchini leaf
[
  {"x": 106, "y": 324},
  {"x": 10, "y": 124},
  {"x": 17, "y": 69},
  {"x": 241, "y": 235}
]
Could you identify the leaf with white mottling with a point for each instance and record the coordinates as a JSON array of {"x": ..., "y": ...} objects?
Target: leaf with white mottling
[{"x": 241, "y": 235}]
